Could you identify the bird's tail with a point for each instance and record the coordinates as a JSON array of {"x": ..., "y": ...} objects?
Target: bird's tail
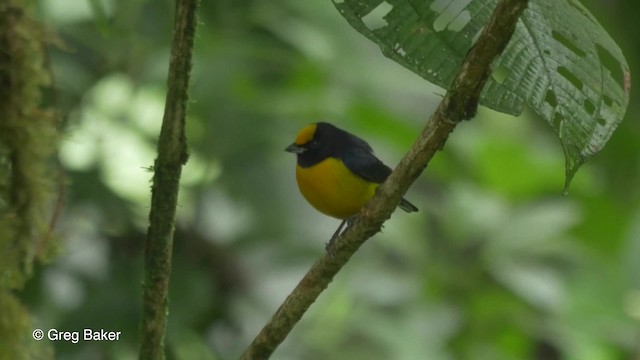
[{"x": 407, "y": 206}]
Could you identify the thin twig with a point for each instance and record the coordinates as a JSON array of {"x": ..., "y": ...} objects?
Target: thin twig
[
  {"x": 460, "y": 102},
  {"x": 172, "y": 155}
]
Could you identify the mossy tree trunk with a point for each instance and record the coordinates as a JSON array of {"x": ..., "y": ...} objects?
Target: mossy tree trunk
[{"x": 28, "y": 140}]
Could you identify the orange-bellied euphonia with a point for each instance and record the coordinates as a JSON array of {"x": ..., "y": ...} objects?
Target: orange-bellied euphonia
[{"x": 337, "y": 171}]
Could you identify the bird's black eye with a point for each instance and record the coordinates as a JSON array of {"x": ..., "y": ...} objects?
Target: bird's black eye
[{"x": 313, "y": 144}]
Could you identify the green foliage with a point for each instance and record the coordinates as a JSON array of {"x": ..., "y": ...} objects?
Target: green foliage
[
  {"x": 560, "y": 61},
  {"x": 496, "y": 265}
]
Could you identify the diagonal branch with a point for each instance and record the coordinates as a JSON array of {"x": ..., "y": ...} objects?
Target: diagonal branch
[{"x": 460, "y": 102}]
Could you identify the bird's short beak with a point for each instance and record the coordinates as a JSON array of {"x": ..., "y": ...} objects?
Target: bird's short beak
[{"x": 296, "y": 149}]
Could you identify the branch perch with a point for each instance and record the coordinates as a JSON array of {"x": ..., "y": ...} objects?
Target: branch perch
[
  {"x": 460, "y": 102},
  {"x": 172, "y": 155}
]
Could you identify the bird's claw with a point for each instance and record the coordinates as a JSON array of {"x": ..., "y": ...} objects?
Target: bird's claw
[{"x": 329, "y": 248}]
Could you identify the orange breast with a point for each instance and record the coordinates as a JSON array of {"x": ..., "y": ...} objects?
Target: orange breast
[{"x": 333, "y": 189}]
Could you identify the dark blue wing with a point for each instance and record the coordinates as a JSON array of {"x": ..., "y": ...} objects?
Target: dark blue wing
[
  {"x": 358, "y": 157},
  {"x": 361, "y": 161}
]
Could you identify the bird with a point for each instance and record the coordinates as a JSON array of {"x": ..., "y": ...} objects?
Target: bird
[{"x": 337, "y": 172}]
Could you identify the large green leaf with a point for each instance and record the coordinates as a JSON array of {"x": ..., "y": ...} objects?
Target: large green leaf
[{"x": 560, "y": 61}]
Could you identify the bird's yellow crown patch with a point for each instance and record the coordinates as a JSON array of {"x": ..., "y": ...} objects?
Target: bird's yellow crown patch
[{"x": 306, "y": 134}]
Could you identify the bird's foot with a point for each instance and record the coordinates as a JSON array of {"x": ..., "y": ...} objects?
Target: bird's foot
[{"x": 329, "y": 246}]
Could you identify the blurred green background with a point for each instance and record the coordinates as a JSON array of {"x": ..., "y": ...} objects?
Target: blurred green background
[{"x": 496, "y": 265}]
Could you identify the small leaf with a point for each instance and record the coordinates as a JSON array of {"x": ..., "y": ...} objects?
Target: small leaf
[{"x": 560, "y": 61}]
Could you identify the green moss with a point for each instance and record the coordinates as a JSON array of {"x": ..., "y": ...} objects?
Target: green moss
[
  {"x": 16, "y": 332},
  {"x": 28, "y": 139}
]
